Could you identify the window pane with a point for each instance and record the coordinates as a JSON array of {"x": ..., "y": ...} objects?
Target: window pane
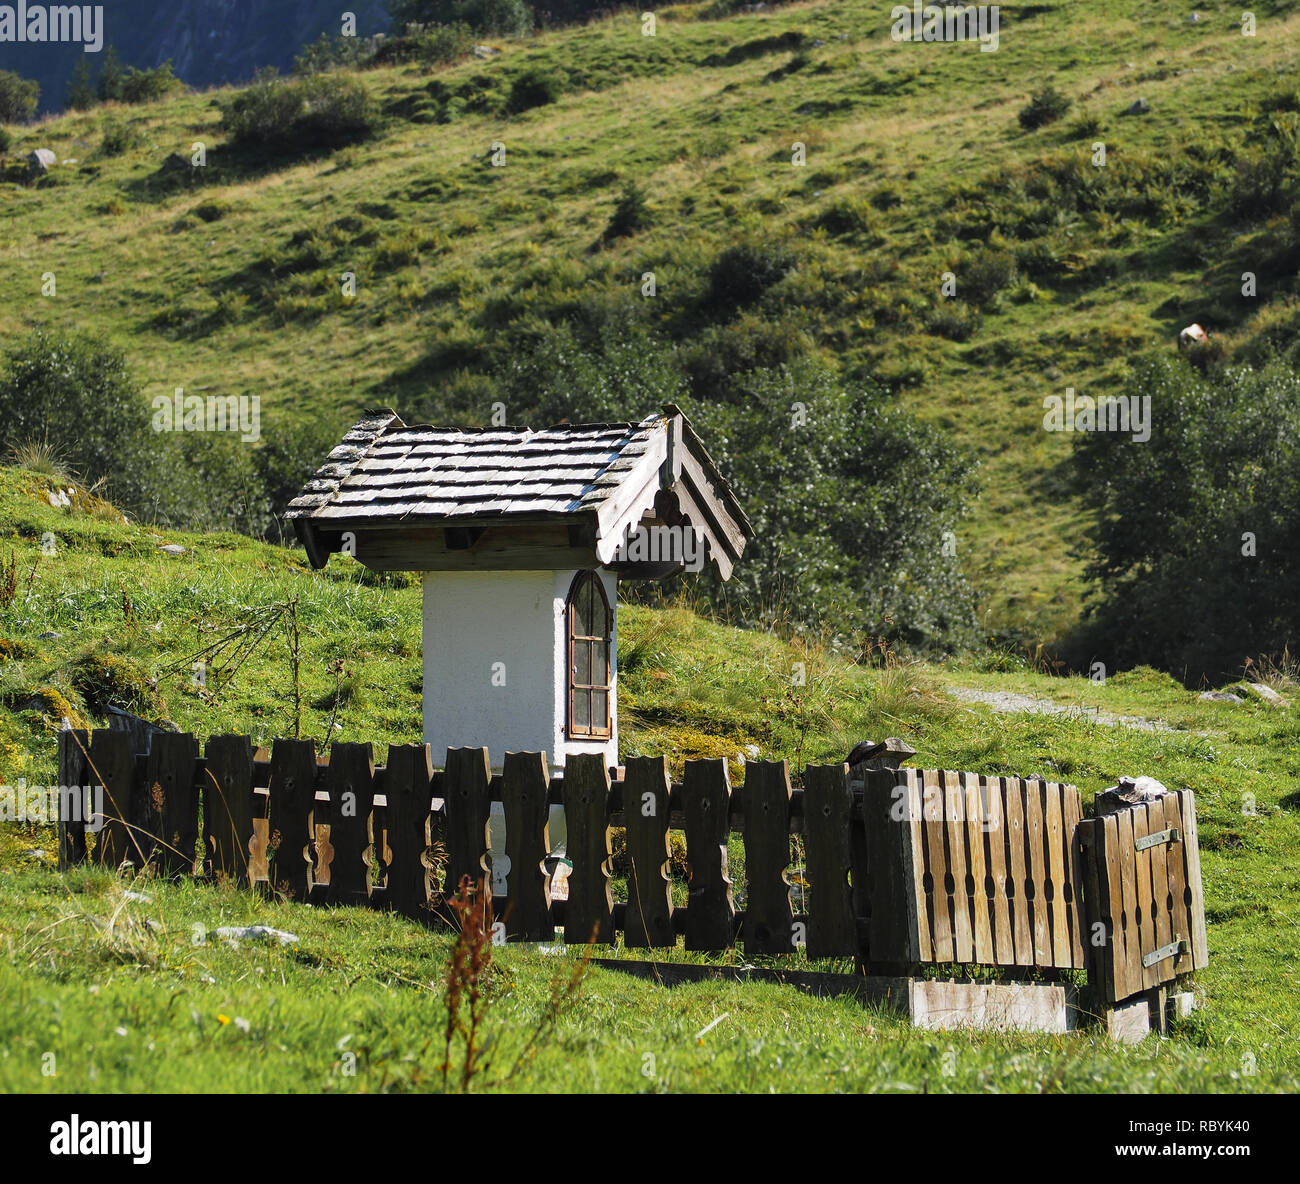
[
  {"x": 582, "y": 663},
  {"x": 582, "y": 710},
  {"x": 599, "y": 671},
  {"x": 581, "y": 609},
  {"x": 589, "y": 607},
  {"x": 599, "y": 709}
]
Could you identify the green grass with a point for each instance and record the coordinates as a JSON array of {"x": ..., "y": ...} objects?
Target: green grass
[
  {"x": 915, "y": 157},
  {"x": 126, "y": 1001}
]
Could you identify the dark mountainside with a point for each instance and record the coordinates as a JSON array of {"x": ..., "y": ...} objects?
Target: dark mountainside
[{"x": 209, "y": 42}]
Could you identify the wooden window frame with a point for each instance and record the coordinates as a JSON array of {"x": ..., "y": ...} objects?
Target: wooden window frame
[{"x": 573, "y": 730}]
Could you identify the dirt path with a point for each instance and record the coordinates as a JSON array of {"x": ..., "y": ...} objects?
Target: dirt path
[{"x": 1011, "y": 701}]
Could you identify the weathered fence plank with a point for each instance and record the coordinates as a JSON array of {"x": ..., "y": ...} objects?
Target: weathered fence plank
[
  {"x": 290, "y": 802},
  {"x": 467, "y": 793},
  {"x": 769, "y": 919},
  {"x": 1021, "y": 904},
  {"x": 74, "y": 781},
  {"x": 959, "y": 888},
  {"x": 937, "y": 898},
  {"x": 172, "y": 802},
  {"x": 1074, "y": 867},
  {"x": 706, "y": 800},
  {"x": 646, "y": 791},
  {"x": 1180, "y": 918},
  {"x": 1130, "y": 920},
  {"x": 1036, "y": 865},
  {"x": 408, "y": 792},
  {"x": 1055, "y": 884},
  {"x": 1194, "y": 891},
  {"x": 827, "y": 808},
  {"x": 228, "y": 805},
  {"x": 349, "y": 781},
  {"x": 995, "y": 851},
  {"x": 525, "y": 785},
  {"x": 112, "y": 765},
  {"x": 977, "y": 872},
  {"x": 1157, "y": 821},
  {"x": 589, "y": 911},
  {"x": 1146, "y": 925}
]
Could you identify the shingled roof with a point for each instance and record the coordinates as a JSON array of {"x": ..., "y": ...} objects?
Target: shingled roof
[{"x": 386, "y": 474}]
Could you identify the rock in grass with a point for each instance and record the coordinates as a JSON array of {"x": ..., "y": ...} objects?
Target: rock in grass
[
  {"x": 1260, "y": 691},
  {"x": 237, "y": 933},
  {"x": 1139, "y": 106},
  {"x": 1220, "y": 697}
]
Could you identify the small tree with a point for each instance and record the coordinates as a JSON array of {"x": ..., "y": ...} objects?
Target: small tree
[
  {"x": 81, "y": 87},
  {"x": 630, "y": 215},
  {"x": 111, "y": 77},
  {"x": 1045, "y": 106},
  {"x": 18, "y": 97}
]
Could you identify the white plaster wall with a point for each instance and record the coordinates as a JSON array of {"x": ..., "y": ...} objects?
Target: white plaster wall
[{"x": 473, "y": 620}]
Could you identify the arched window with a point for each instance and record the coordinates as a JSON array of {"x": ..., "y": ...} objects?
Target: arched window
[{"x": 590, "y": 622}]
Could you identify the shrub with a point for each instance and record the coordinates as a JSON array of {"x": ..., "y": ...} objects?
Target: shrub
[
  {"x": 18, "y": 97},
  {"x": 6, "y": 140},
  {"x": 631, "y": 214},
  {"x": 1180, "y": 585},
  {"x": 106, "y": 680},
  {"x": 431, "y": 45},
  {"x": 1045, "y": 106},
  {"x": 742, "y": 273},
  {"x": 322, "y": 110},
  {"x": 953, "y": 319},
  {"x": 535, "y": 87},
  {"x": 76, "y": 393},
  {"x": 143, "y": 86},
  {"x": 118, "y": 137},
  {"x": 985, "y": 274}
]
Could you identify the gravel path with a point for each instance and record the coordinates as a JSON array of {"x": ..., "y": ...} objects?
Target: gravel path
[{"x": 1011, "y": 701}]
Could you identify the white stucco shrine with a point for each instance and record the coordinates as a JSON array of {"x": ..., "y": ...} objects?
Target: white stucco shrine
[{"x": 522, "y": 537}]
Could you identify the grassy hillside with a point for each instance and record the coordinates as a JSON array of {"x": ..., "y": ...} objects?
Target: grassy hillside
[
  {"x": 916, "y": 165},
  {"x": 117, "y": 988}
]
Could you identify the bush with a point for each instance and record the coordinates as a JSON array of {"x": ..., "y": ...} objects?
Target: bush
[
  {"x": 118, "y": 137},
  {"x": 1196, "y": 531},
  {"x": 75, "y": 392},
  {"x": 742, "y": 273},
  {"x": 18, "y": 97},
  {"x": 953, "y": 319},
  {"x": 6, "y": 140},
  {"x": 144, "y": 86},
  {"x": 106, "y": 680},
  {"x": 322, "y": 110},
  {"x": 535, "y": 87},
  {"x": 630, "y": 215},
  {"x": 431, "y": 45},
  {"x": 1045, "y": 106}
]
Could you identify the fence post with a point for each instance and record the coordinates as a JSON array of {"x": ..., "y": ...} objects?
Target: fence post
[
  {"x": 646, "y": 791},
  {"x": 588, "y": 913},
  {"x": 349, "y": 781},
  {"x": 408, "y": 792},
  {"x": 228, "y": 805},
  {"x": 467, "y": 793},
  {"x": 827, "y": 812},
  {"x": 525, "y": 786},
  {"x": 706, "y": 802},
  {"x": 769, "y": 921},
  {"x": 172, "y": 801},
  {"x": 112, "y": 765},
  {"x": 74, "y": 780},
  {"x": 291, "y": 796}
]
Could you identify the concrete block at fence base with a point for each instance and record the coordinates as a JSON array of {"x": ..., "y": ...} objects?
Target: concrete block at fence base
[
  {"x": 1129, "y": 1022},
  {"x": 1004, "y": 1007},
  {"x": 1181, "y": 1004}
]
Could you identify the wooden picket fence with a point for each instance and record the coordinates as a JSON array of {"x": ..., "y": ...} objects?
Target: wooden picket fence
[{"x": 902, "y": 867}]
